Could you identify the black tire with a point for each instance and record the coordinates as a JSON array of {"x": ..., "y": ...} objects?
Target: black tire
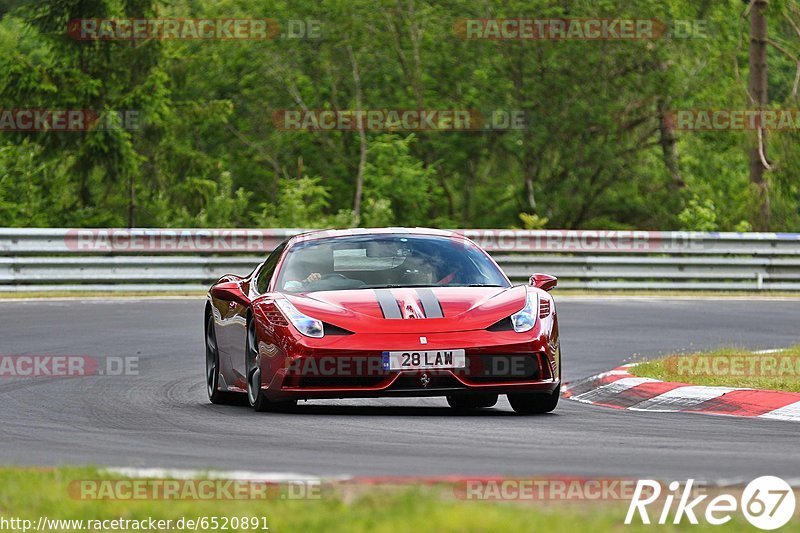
[
  {"x": 215, "y": 395},
  {"x": 534, "y": 403},
  {"x": 255, "y": 395},
  {"x": 471, "y": 401}
]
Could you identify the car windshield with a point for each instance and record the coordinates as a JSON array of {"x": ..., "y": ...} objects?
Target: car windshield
[{"x": 381, "y": 261}]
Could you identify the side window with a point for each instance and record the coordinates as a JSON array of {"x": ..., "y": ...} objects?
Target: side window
[{"x": 265, "y": 274}]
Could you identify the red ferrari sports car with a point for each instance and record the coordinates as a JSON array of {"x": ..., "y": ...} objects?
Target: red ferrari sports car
[{"x": 378, "y": 313}]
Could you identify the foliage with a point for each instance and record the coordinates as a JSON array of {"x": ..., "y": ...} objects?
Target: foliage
[
  {"x": 301, "y": 203},
  {"x": 699, "y": 216},
  {"x": 593, "y": 152}
]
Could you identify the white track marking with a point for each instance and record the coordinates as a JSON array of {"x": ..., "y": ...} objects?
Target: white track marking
[
  {"x": 236, "y": 475},
  {"x": 615, "y": 387},
  {"x": 681, "y": 398},
  {"x": 789, "y": 412}
]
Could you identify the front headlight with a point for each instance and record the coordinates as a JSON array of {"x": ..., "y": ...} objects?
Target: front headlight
[
  {"x": 310, "y": 327},
  {"x": 525, "y": 319}
]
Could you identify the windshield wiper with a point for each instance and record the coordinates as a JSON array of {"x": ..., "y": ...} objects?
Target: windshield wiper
[{"x": 484, "y": 285}]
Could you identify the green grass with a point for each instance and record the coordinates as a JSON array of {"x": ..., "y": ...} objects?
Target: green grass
[
  {"x": 698, "y": 369},
  {"x": 31, "y": 493}
]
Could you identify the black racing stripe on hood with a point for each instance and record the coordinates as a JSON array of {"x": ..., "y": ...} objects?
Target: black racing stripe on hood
[
  {"x": 430, "y": 303},
  {"x": 389, "y": 306}
]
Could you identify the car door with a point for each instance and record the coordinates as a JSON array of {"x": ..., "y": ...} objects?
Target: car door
[{"x": 258, "y": 284}]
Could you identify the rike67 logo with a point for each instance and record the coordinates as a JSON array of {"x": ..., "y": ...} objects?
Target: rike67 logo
[{"x": 767, "y": 502}]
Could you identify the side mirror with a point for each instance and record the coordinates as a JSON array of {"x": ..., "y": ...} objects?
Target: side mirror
[
  {"x": 546, "y": 282},
  {"x": 229, "y": 291}
]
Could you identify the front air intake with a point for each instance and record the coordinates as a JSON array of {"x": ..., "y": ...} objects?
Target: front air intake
[
  {"x": 502, "y": 325},
  {"x": 330, "y": 329}
]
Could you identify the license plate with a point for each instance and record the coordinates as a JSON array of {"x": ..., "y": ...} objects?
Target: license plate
[{"x": 424, "y": 359}]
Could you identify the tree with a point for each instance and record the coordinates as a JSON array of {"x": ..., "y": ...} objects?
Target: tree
[{"x": 757, "y": 89}]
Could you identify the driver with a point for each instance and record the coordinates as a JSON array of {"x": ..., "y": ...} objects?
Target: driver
[
  {"x": 314, "y": 276},
  {"x": 313, "y": 268},
  {"x": 295, "y": 285}
]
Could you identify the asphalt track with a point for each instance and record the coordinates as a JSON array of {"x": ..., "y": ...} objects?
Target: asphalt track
[{"x": 161, "y": 418}]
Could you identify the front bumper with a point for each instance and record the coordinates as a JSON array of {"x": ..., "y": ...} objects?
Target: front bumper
[{"x": 350, "y": 367}]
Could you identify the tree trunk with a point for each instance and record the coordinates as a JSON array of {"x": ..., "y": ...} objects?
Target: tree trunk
[
  {"x": 758, "y": 93},
  {"x": 362, "y": 137},
  {"x": 666, "y": 135},
  {"x": 131, "y": 201},
  {"x": 530, "y": 170},
  {"x": 669, "y": 145}
]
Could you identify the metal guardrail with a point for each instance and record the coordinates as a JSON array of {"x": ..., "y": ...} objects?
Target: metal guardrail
[{"x": 191, "y": 259}]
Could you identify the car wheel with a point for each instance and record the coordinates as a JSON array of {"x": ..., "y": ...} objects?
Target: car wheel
[
  {"x": 534, "y": 403},
  {"x": 255, "y": 395},
  {"x": 212, "y": 368},
  {"x": 471, "y": 401}
]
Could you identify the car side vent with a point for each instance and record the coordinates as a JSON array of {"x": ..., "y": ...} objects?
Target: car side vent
[
  {"x": 276, "y": 318},
  {"x": 330, "y": 329},
  {"x": 544, "y": 308},
  {"x": 502, "y": 325}
]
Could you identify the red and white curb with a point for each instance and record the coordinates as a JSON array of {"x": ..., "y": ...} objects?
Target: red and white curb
[{"x": 621, "y": 390}]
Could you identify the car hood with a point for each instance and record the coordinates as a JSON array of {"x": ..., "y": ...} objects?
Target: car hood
[{"x": 412, "y": 310}]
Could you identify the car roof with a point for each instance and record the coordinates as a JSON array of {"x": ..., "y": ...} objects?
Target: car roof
[{"x": 351, "y": 232}]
